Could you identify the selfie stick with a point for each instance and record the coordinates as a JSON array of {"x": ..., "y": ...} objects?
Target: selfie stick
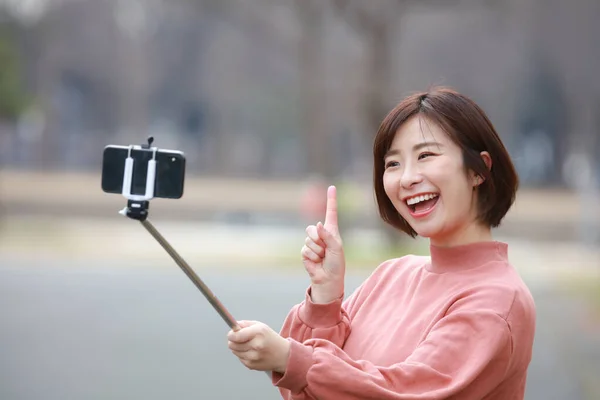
[{"x": 137, "y": 208}]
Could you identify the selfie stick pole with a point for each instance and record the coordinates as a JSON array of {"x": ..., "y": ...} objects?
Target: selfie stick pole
[
  {"x": 212, "y": 299},
  {"x": 137, "y": 209}
]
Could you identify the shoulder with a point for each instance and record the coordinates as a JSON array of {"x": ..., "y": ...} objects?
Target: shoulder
[{"x": 505, "y": 295}]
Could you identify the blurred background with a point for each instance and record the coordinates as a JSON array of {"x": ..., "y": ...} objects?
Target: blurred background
[{"x": 271, "y": 101}]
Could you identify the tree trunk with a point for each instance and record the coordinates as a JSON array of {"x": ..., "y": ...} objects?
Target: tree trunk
[{"x": 378, "y": 84}]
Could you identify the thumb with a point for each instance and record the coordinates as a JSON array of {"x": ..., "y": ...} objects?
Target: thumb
[
  {"x": 242, "y": 335},
  {"x": 245, "y": 324},
  {"x": 331, "y": 217}
]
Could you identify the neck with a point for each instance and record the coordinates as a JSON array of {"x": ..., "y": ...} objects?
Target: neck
[
  {"x": 471, "y": 233},
  {"x": 468, "y": 256}
]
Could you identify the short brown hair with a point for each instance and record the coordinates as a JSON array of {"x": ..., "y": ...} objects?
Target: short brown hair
[{"x": 468, "y": 126}]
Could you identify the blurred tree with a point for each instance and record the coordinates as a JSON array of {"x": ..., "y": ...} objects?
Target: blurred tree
[
  {"x": 377, "y": 23},
  {"x": 374, "y": 21},
  {"x": 12, "y": 91},
  {"x": 311, "y": 16},
  {"x": 542, "y": 111}
]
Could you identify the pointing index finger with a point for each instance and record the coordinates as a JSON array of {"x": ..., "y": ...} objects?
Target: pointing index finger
[{"x": 331, "y": 219}]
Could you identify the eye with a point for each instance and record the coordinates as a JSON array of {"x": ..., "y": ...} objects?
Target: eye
[
  {"x": 425, "y": 155},
  {"x": 391, "y": 164}
]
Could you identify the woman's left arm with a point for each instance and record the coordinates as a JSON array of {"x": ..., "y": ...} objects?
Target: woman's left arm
[{"x": 463, "y": 347}]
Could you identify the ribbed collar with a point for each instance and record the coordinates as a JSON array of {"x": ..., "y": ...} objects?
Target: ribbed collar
[{"x": 468, "y": 256}]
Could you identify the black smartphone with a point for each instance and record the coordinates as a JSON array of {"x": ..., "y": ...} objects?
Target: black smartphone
[{"x": 170, "y": 171}]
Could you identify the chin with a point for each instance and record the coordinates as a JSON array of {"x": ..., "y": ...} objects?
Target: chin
[
  {"x": 428, "y": 233},
  {"x": 432, "y": 229},
  {"x": 424, "y": 229}
]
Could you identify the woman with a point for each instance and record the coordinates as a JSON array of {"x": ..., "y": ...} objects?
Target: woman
[{"x": 457, "y": 325}]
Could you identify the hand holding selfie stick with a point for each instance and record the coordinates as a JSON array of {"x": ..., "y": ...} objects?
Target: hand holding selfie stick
[{"x": 137, "y": 209}]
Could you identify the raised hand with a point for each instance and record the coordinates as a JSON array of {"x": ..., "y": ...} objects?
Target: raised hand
[{"x": 323, "y": 254}]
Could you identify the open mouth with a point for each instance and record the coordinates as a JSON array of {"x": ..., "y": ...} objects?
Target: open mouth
[{"x": 423, "y": 203}]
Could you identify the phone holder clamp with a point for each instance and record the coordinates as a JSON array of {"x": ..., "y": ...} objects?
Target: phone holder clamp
[{"x": 137, "y": 205}]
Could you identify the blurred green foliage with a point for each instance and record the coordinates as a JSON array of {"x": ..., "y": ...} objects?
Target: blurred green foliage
[{"x": 13, "y": 99}]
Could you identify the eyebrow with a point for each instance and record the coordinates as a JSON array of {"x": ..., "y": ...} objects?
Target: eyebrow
[{"x": 416, "y": 147}]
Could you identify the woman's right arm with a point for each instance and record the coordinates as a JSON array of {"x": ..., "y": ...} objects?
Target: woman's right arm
[{"x": 323, "y": 314}]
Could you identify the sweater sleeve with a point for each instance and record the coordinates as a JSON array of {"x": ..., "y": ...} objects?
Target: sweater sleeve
[
  {"x": 463, "y": 350},
  {"x": 330, "y": 321}
]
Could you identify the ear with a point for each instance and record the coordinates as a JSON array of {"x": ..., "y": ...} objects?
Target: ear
[{"x": 487, "y": 159}]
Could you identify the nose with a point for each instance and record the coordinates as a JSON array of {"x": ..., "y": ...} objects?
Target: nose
[{"x": 410, "y": 177}]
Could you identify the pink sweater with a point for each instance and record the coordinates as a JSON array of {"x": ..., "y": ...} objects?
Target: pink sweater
[{"x": 457, "y": 325}]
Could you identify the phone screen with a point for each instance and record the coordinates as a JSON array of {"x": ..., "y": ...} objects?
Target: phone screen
[{"x": 170, "y": 171}]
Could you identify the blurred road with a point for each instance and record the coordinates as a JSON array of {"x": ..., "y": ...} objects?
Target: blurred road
[
  {"x": 123, "y": 331},
  {"x": 93, "y": 308}
]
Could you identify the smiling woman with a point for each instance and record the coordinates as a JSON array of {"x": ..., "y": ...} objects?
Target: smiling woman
[
  {"x": 459, "y": 324},
  {"x": 443, "y": 134}
]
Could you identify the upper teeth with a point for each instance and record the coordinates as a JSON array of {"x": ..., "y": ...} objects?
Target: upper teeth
[{"x": 418, "y": 199}]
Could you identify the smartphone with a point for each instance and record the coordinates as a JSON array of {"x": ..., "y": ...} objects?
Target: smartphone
[{"x": 170, "y": 171}]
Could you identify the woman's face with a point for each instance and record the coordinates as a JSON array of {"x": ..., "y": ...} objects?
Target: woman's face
[{"x": 425, "y": 179}]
